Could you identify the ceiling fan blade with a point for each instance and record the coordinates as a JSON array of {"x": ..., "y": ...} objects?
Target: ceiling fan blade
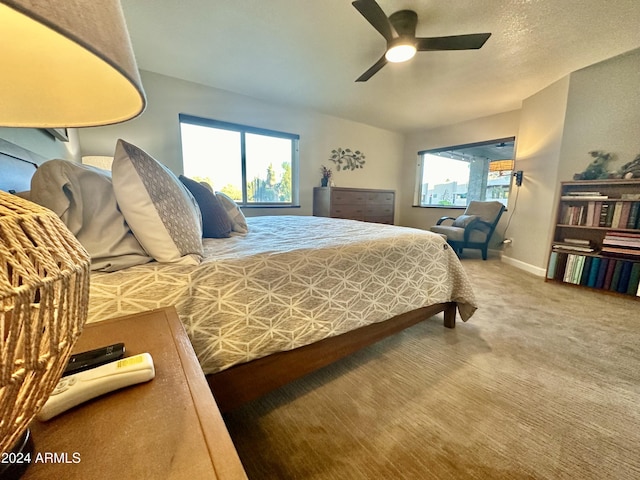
[
  {"x": 455, "y": 42},
  {"x": 372, "y": 12},
  {"x": 373, "y": 70}
]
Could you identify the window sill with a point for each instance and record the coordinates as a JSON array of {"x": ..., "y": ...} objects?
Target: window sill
[
  {"x": 267, "y": 205},
  {"x": 448, "y": 207}
]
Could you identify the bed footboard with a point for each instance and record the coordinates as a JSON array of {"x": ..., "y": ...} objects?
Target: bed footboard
[{"x": 242, "y": 383}]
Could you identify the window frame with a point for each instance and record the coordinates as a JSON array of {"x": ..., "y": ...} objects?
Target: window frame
[
  {"x": 247, "y": 129},
  {"x": 420, "y": 170}
]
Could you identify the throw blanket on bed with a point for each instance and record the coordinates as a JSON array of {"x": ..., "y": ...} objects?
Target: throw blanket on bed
[{"x": 289, "y": 282}]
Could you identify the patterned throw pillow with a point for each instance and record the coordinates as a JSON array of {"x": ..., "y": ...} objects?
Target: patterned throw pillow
[
  {"x": 235, "y": 214},
  {"x": 161, "y": 212},
  {"x": 215, "y": 220}
]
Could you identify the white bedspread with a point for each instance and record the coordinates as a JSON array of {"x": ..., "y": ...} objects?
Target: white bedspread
[{"x": 289, "y": 282}]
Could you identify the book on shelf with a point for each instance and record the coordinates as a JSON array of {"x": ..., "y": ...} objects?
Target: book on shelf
[
  {"x": 617, "y": 212},
  {"x": 585, "y": 270},
  {"x": 561, "y": 264},
  {"x": 608, "y": 221},
  {"x": 624, "y": 234},
  {"x": 621, "y": 242},
  {"x": 632, "y": 222},
  {"x": 625, "y": 277},
  {"x": 625, "y": 210},
  {"x": 593, "y": 274},
  {"x": 574, "y": 245},
  {"x": 551, "y": 269},
  {"x": 604, "y": 213},
  {"x": 634, "y": 280},
  {"x": 602, "y": 271},
  {"x": 584, "y": 196},
  {"x": 577, "y": 241},
  {"x": 577, "y": 273},
  {"x": 629, "y": 251},
  {"x": 608, "y": 276},
  {"x": 615, "y": 278},
  {"x": 572, "y": 248},
  {"x": 568, "y": 269}
]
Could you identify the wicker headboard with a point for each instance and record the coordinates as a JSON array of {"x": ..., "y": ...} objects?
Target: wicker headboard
[{"x": 17, "y": 166}]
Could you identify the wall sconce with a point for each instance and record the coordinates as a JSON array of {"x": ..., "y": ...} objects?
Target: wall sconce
[{"x": 518, "y": 176}]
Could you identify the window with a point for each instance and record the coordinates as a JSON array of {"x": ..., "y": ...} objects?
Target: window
[
  {"x": 253, "y": 166},
  {"x": 453, "y": 176}
]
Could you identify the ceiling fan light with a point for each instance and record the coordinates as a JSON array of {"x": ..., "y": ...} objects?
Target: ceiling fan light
[{"x": 400, "y": 53}]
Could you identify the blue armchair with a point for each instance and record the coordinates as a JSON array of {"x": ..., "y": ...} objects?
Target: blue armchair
[{"x": 473, "y": 229}]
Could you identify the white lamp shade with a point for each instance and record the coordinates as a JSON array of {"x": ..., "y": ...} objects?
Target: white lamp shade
[{"x": 66, "y": 64}]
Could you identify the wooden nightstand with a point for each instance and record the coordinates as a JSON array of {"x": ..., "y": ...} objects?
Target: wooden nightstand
[{"x": 168, "y": 428}]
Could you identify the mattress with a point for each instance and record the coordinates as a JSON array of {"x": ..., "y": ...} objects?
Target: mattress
[{"x": 289, "y": 282}]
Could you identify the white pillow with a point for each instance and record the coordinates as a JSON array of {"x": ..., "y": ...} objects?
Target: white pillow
[
  {"x": 161, "y": 212},
  {"x": 235, "y": 214}
]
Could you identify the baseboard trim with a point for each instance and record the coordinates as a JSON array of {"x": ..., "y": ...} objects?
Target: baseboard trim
[{"x": 540, "y": 272}]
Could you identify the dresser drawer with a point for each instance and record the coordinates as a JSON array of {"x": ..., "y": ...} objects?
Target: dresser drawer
[
  {"x": 380, "y": 198},
  {"x": 353, "y": 212},
  {"x": 348, "y": 198},
  {"x": 388, "y": 219},
  {"x": 378, "y": 210}
]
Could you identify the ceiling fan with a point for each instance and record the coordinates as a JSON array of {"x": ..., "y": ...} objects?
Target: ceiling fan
[{"x": 399, "y": 30}]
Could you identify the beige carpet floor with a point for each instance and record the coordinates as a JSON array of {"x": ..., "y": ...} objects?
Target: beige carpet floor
[{"x": 542, "y": 383}]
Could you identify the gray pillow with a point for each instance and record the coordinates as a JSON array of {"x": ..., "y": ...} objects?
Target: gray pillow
[
  {"x": 83, "y": 198},
  {"x": 463, "y": 221},
  {"x": 238, "y": 219}
]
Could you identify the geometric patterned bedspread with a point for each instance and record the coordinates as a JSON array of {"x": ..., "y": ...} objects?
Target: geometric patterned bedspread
[{"x": 289, "y": 282}]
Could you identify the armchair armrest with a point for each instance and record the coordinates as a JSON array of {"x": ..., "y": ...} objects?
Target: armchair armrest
[
  {"x": 442, "y": 219},
  {"x": 477, "y": 224}
]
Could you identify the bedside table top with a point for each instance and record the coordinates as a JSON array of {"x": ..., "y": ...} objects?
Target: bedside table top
[{"x": 167, "y": 428}]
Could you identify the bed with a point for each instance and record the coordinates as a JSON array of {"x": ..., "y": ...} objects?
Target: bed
[{"x": 292, "y": 295}]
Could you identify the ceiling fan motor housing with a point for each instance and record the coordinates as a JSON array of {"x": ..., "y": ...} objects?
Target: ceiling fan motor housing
[{"x": 404, "y": 22}]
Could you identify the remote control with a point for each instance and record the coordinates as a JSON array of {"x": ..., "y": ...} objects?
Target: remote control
[
  {"x": 80, "y": 387},
  {"x": 93, "y": 358}
]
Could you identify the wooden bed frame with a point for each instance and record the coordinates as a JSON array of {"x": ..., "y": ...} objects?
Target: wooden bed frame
[
  {"x": 242, "y": 383},
  {"x": 245, "y": 382}
]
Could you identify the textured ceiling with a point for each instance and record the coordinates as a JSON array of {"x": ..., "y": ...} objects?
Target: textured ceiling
[{"x": 307, "y": 53}]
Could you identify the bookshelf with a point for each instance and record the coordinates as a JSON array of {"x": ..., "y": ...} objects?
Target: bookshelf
[{"x": 596, "y": 242}]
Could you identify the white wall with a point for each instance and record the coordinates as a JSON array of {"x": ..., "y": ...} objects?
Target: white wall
[
  {"x": 42, "y": 143},
  {"x": 596, "y": 108},
  {"x": 533, "y": 205},
  {"x": 603, "y": 113},
  {"x": 488, "y": 128},
  {"x": 157, "y": 132}
]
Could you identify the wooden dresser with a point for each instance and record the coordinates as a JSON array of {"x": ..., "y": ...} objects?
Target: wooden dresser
[{"x": 365, "y": 204}]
